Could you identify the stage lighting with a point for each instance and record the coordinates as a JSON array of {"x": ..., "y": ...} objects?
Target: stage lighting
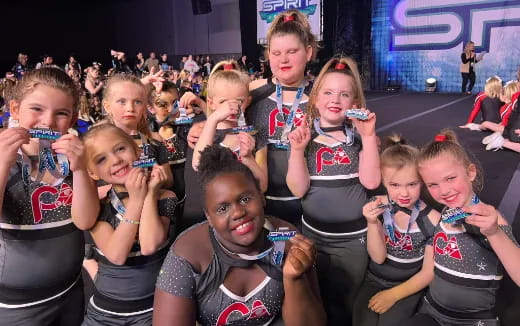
[{"x": 431, "y": 85}]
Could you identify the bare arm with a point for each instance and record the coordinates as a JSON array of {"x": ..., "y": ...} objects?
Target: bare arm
[
  {"x": 85, "y": 202},
  {"x": 369, "y": 167},
  {"x": 247, "y": 145},
  {"x": 153, "y": 230},
  {"x": 298, "y": 178},
  {"x": 171, "y": 310},
  {"x": 488, "y": 219},
  {"x": 302, "y": 303},
  {"x": 205, "y": 139},
  {"x": 10, "y": 141},
  {"x": 117, "y": 243},
  {"x": 376, "y": 245}
]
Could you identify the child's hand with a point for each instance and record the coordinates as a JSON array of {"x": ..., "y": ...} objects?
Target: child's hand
[
  {"x": 157, "y": 178},
  {"x": 10, "y": 141},
  {"x": 153, "y": 77},
  {"x": 300, "y": 137},
  {"x": 382, "y": 301},
  {"x": 73, "y": 148},
  {"x": 136, "y": 185},
  {"x": 224, "y": 111},
  {"x": 483, "y": 216},
  {"x": 189, "y": 101},
  {"x": 371, "y": 212},
  {"x": 194, "y": 133},
  {"x": 365, "y": 127},
  {"x": 247, "y": 144},
  {"x": 300, "y": 257}
]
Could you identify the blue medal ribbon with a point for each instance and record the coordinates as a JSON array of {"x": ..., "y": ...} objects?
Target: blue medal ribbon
[
  {"x": 388, "y": 220},
  {"x": 349, "y": 133},
  {"x": 283, "y": 142},
  {"x": 45, "y": 158}
]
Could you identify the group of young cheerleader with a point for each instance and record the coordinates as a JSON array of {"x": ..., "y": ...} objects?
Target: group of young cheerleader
[
  {"x": 498, "y": 107},
  {"x": 272, "y": 156}
]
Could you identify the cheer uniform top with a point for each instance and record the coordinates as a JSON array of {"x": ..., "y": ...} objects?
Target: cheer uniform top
[
  {"x": 128, "y": 289},
  {"x": 176, "y": 147},
  {"x": 513, "y": 123},
  {"x": 334, "y": 179},
  {"x": 41, "y": 249},
  {"x": 216, "y": 305},
  {"x": 467, "y": 275},
  {"x": 220, "y": 134},
  {"x": 404, "y": 256},
  {"x": 269, "y": 120}
]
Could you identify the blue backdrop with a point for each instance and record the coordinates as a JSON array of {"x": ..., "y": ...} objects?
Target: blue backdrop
[{"x": 416, "y": 39}]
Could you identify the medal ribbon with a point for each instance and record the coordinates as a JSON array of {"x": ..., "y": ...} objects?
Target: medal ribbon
[
  {"x": 289, "y": 121},
  {"x": 45, "y": 162},
  {"x": 348, "y": 132},
  {"x": 388, "y": 220}
]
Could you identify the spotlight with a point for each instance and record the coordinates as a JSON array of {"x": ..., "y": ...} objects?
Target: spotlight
[{"x": 431, "y": 85}]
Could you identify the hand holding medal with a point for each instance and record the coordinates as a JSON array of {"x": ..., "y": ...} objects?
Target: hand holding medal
[
  {"x": 373, "y": 209},
  {"x": 157, "y": 179},
  {"x": 365, "y": 127},
  {"x": 72, "y": 147},
  {"x": 10, "y": 142},
  {"x": 484, "y": 217},
  {"x": 247, "y": 145},
  {"x": 136, "y": 184},
  {"x": 301, "y": 256}
]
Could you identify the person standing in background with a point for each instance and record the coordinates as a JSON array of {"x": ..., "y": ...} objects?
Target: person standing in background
[
  {"x": 469, "y": 59},
  {"x": 151, "y": 62}
]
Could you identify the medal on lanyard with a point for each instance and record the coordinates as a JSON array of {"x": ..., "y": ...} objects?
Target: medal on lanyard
[
  {"x": 45, "y": 158},
  {"x": 388, "y": 219},
  {"x": 144, "y": 163},
  {"x": 348, "y": 132},
  {"x": 242, "y": 125},
  {"x": 283, "y": 143},
  {"x": 183, "y": 118},
  {"x": 278, "y": 238},
  {"x": 356, "y": 113},
  {"x": 454, "y": 215}
]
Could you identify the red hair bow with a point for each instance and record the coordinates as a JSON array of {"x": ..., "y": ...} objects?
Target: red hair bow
[
  {"x": 288, "y": 18},
  {"x": 440, "y": 138},
  {"x": 340, "y": 66},
  {"x": 229, "y": 66}
]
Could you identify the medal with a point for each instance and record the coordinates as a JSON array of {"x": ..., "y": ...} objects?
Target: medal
[
  {"x": 59, "y": 170},
  {"x": 242, "y": 126},
  {"x": 452, "y": 215},
  {"x": 278, "y": 238},
  {"x": 357, "y": 113},
  {"x": 144, "y": 163},
  {"x": 183, "y": 118}
]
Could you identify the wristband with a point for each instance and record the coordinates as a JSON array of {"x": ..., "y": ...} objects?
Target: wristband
[{"x": 123, "y": 219}]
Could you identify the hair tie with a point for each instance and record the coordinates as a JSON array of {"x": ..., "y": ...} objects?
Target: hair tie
[
  {"x": 288, "y": 18},
  {"x": 229, "y": 66},
  {"x": 440, "y": 138},
  {"x": 340, "y": 66}
]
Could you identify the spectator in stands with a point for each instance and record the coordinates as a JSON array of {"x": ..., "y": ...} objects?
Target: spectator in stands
[{"x": 151, "y": 63}]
